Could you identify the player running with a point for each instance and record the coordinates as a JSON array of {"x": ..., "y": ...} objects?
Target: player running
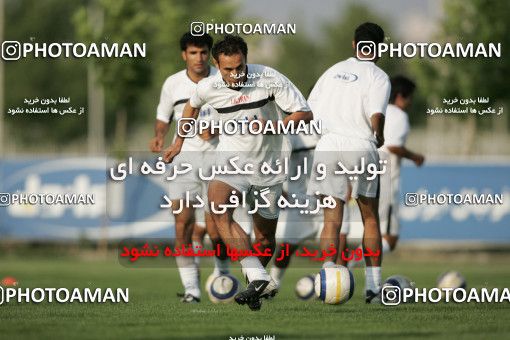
[
  {"x": 351, "y": 98},
  {"x": 246, "y": 92},
  {"x": 176, "y": 91}
]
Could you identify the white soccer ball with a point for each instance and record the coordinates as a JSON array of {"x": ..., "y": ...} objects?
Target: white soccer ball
[
  {"x": 334, "y": 285},
  {"x": 222, "y": 288},
  {"x": 399, "y": 281},
  {"x": 305, "y": 287},
  {"x": 451, "y": 279}
]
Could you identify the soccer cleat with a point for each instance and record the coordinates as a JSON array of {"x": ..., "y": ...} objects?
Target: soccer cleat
[
  {"x": 188, "y": 298},
  {"x": 372, "y": 298},
  {"x": 270, "y": 291},
  {"x": 255, "y": 305},
  {"x": 251, "y": 296}
]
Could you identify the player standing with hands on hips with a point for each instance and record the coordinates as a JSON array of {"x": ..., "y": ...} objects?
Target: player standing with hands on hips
[{"x": 351, "y": 98}]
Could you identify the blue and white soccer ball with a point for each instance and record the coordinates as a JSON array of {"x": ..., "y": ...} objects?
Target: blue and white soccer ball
[
  {"x": 451, "y": 279},
  {"x": 305, "y": 287},
  {"x": 395, "y": 282},
  {"x": 334, "y": 285},
  {"x": 222, "y": 288}
]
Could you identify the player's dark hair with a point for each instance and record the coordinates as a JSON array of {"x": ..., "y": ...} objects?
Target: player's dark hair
[
  {"x": 231, "y": 44},
  {"x": 194, "y": 40},
  {"x": 401, "y": 85},
  {"x": 369, "y": 32}
]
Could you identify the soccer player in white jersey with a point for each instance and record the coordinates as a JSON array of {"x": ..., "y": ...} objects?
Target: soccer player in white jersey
[
  {"x": 351, "y": 98},
  {"x": 246, "y": 92},
  {"x": 176, "y": 91},
  {"x": 396, "y": 130}
]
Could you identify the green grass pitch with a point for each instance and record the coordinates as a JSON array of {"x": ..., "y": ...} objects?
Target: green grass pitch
[{"x": 154, "y": 312}]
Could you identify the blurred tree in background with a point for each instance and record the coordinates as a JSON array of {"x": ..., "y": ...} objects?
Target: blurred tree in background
[
  {"x": 128, "y": 81},
  {"x": 475, "y": 21},
  {"x": 38, "y": 22},
  {"x": 132, "y": 85}
]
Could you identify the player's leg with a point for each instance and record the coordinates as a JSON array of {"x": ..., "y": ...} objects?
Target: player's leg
[
  {"x": 344, "y": 231},
  {"x": 342, "y": 248},
  {"x": 188, "y": 269},
  {"x": 281, "y": 263},
  {"x": 235, "y": 237},
  {"x": 371, "y": 240},
  {"x": 221, "y": 260},
  {"x": 197, "y": 238},
  {"x": 330, "y": 232},
  {"x": 391, "y": 240},
  {"x": 229, "y": 230},
  {"x": 388, "y": 212},
  {"x": 387, "y": 219},
  {"x": 293, "y": 228},
  {"x": 265, "y": 230}
]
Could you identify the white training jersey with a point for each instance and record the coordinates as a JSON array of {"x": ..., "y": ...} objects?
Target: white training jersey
[
  {"x": 347, "y": 95},
  {"x": 175, "y": 93},
  {"x": 396, "y": 129},
  {"x": 396, "y": 126},
  {"x": 269, "y": 96}
]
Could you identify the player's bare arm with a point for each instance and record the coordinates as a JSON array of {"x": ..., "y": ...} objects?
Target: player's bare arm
[
  {"x": 377, "y": 120},
  {"x": 158, "y": 141},
  {"x": 403, "y": 152},
  {"x": 298, "y": 116}
]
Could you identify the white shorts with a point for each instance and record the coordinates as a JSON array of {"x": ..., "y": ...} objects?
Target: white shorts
[
  {"x": 332, "y": 149},
  {"x": 189, "y": 182}
]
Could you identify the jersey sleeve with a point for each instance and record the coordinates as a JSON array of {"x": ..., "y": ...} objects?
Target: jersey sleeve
[
  {"x": 197, "y": 99},
  {"x": 396, "y": 129},
  {"x": 287, "y": 96},
  {"x": 313, "y": 98},
  {"x": 378, "y": 95},
  {"x": 165, "y": 108}
]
